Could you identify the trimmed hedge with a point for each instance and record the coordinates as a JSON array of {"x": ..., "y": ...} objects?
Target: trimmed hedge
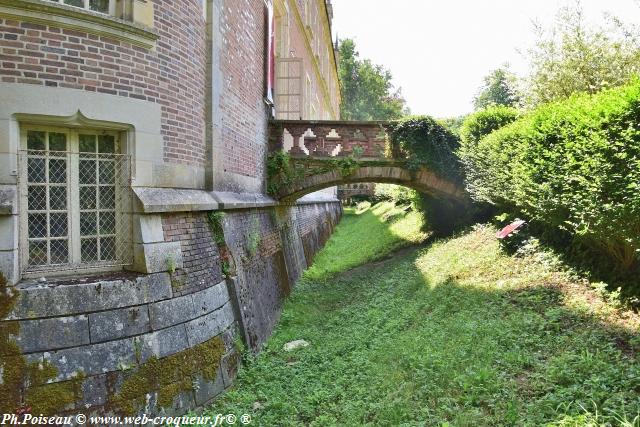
[
  {"x": 475, "y": 127},
  {"x": 482, "y": 123},
  {"x": 572, "y": 165}
]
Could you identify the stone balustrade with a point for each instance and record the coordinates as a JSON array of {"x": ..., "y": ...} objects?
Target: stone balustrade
[{"x": 306, "y": 138}]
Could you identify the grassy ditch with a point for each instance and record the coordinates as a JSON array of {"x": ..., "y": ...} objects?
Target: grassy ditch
[{"x": 456, "y": 333}]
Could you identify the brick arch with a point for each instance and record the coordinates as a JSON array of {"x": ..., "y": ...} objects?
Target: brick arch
[
  {"x": 422, "y": 180},
  {"x": 314, "y": 145}
]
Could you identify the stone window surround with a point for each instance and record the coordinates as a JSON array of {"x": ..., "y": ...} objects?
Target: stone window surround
[
  {"x": 45, "y": 12},
  {"x": 74, "y": 235}
]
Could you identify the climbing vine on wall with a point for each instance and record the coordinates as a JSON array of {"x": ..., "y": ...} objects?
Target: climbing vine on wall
[
  {"x": 282, "y": 171},
  {"x": 423, "y": 142}
]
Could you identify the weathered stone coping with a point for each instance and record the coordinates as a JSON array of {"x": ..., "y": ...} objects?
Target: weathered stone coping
[
  {"x": 59, "y": 320},
  {"x": 158, "y": 200},
  {"x": 47, "y": 13}
]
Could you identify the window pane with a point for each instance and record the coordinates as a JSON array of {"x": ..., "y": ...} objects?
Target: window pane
[
  {"x": 35, "y": 140},
  {"x": 107, "y": 172},
  {"x": 79, "y": 3},
  {"x": 88, "y": 224},
  {"x": 108, "y": 248},
  {"x": 107, "y": 223},
  {"x": 87, "y": 143},
  {"x": 107, "y": 198},
  {"x": 88, "y": 198},
  {"x": 58, "y": 224},
  {"x": 57, "y": 142},
  {"x": 89, "y": 250},
  {"x": 38, "y": 252},
  {"x": 99, "y": 5},
  {"x": 36, "y": 172},
  {"x": 57, "y": 171},
  {"x": 58, "y": 198},
  {"x": 59, "y": 251},
  {"x": 106, "y": 144},
  {"x": 37, "y": 198},
  {"x": 37, "y": 225},
  {"x": 87, "y": 173}
]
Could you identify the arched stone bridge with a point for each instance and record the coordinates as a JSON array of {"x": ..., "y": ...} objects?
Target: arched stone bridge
[{"x": 316, "y": 147}]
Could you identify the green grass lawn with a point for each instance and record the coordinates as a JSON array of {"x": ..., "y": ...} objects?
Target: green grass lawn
[
  {"x": 387, "y": 228},
  {"x": 456, "y": 333}
]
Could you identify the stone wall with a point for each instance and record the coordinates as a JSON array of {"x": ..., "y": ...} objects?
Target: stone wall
[
  {"x": 82, "y": 352},
  {"x": 158, "y": 343}
]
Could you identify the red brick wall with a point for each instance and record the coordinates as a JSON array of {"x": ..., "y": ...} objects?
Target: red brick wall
[
  {"x": 172, "y": 76},
  {"x": 242, "y": 98},
  {"x": 201, "y": 259}
]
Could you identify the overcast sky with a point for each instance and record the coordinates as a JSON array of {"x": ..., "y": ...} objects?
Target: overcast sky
[{"x": 439, "y": 50}]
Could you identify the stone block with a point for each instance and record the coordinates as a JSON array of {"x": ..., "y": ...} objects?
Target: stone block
[
  {"x": 53, "y": 333},
  {"x": 163, "y": 343},
  {"x": 94, "y": 392},
  {"x": 35, "y": 301},
  {"x": 120, "y": 323},
  {"x": 206, "y": 390},
  {"x": 229, "y": 367},
  {"x": 210, "y": 299},
  {"x": 208, "y": 326},
  {"x": 156, "y": 257},
  {"x": 147, "y": 229},
  {"x": 92, "y": 359},
  {"x": 8, "y": 232},
  {"x": 9, "y": 266},
  {"x": 171, "y": 312},
  {"x": 8, "y": 200}
]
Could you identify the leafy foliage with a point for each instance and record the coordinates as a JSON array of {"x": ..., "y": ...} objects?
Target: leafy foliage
[
  {"x": 280, "y": 171},
  {"x": 574, "y": 57},
  {"x": 397, "y": 194},
  {"x": 367, "y": 91},
  {"x": 482, "y": 123},
  {"x": 454, "y": 124},
  {"x": 215, "y": 219},
  {"x": 499, "y": 88},
  {"x": 572, "y": 166},
  {"x": 475, "y": 127},
  {"x": 423, "y": 141}
]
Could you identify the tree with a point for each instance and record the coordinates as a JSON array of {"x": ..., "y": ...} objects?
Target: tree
[
  {"x": 499, "y": 88},
  {"x": 367, "y": 91},
  {"x": 574, "y": 57}
]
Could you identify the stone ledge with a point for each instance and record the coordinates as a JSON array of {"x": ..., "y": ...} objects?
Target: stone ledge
[
  {"x": 47, "y": 13},
  {"x": 35, "y": 301},
  {"x": 164, "y": 200}
]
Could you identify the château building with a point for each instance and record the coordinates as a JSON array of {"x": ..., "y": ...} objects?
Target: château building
[{"x": 137, "y": 241}]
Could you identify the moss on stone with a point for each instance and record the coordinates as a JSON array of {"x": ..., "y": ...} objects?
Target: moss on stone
[
  {"x": 169, "y": 376},
  {"x": 12, "y": 364},
  {"x": 16, "y": 372},
  {"x": 50, "y": 399}
]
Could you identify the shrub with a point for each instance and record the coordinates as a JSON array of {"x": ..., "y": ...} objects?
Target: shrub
[
  {"x": 474, "y": 128},
  {"x": 397, "y": 194},
  {"x": 422, "y": 141},
  {"x": 483, "y": 122},
  {"x": 572, "y": 165}
]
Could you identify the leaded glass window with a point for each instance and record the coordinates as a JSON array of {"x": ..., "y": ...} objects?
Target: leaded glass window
[{"x": 75, "y": 187}]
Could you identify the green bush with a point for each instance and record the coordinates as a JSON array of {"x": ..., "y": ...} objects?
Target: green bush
[
  {"x": 422, "y": 141},
  {"x": 397, "y": 194},
  {"x": 482, "y": 123},
  {"x": 475, "y": 127},
  {"x": 572, "y": 165}
]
